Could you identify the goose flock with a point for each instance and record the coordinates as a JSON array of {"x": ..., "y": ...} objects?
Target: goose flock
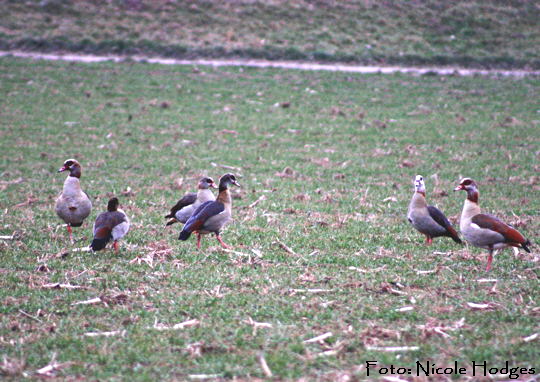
[
  {"x": 202, "y": 213},
  {"x": 480, "y": 230}
]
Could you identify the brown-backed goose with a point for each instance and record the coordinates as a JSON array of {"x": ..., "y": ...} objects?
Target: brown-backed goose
[
  {"x": 486, "y": 231},
  {"x": 113, "y": 224},
  {"x": 429, "y": 220},
  {"x": 183, "y": 210},
  {"x": 73, "y": 205},
  {"x": 211, "y": 216}
]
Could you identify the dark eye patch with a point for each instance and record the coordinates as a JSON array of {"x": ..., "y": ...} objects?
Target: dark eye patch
[{"x": 467, "y": 182}]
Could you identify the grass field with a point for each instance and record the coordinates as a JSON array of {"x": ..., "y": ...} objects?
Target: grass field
[
  {"x": 326, "y": 162},
  {"x": 473, "y": 33}
]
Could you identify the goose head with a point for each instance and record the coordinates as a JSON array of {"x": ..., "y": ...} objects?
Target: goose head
[
  {"x": 206, "y": 182},
  {"x": 466, "y": 184},
  {"x": 227, "y": 180},
  {"x": 73, "y": 166},
  {"x": 419, "y": 185},
  {"x": 113, "y": 204}
]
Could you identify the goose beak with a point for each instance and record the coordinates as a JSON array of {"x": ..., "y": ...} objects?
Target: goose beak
[
  {"x": 213, "y": 185},
  {"x": 236, "y": 183},
  {"x": 459, "y": 188},
  {"x": 62, "y": 169}
]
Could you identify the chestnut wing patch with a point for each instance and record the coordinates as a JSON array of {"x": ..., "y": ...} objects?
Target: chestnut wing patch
[
  {"x": 102, "y": 233},
  {"x": 492, "y": 223},
  {"x": 106, "y": 221}
]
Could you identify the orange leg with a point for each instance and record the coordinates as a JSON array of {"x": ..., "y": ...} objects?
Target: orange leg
[
  {"x": 115, "y": 245},
  {"x": 429, "y": 240},
  {"x": 490, "y": 260},
  {"x": 70, "y": 233},
  {"x": 221, "y": 241},
  {"x": 198, "y": 240}
]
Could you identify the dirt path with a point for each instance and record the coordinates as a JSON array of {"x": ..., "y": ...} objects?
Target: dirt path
[{"x": 278, "y": 64}]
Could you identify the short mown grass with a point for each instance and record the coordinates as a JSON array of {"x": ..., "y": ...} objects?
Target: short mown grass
[{"x": 326, "y": 162}]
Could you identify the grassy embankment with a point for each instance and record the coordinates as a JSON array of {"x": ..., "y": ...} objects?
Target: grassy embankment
[{"x": 468, "y": 33}]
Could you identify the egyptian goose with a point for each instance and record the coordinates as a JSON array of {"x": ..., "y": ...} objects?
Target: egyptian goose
[
  {"x": 211, "y": 216},
  {"x": 428, "y": 220},
  {"x": 486, "y": 231},
  {"x": 73, "y": 205},
  {"x": 183, "y": 210},
  {"x": 113, "y": 224}
]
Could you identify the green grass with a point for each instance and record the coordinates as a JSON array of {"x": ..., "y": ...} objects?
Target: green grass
[
  {"x": 354, "y": 144},
  {"x": 473, "y": 33}
]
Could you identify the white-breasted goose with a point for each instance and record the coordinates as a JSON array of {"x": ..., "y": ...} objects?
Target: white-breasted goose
[
  {"x": 211, "y": 216},
  {"x": 110, "y": 225},
  {"x": 428, "y": 220},
  {"x": 185, "y": 207},
  {"x": 73, "y": 205},
  {"x": 486, "y": 231}
]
